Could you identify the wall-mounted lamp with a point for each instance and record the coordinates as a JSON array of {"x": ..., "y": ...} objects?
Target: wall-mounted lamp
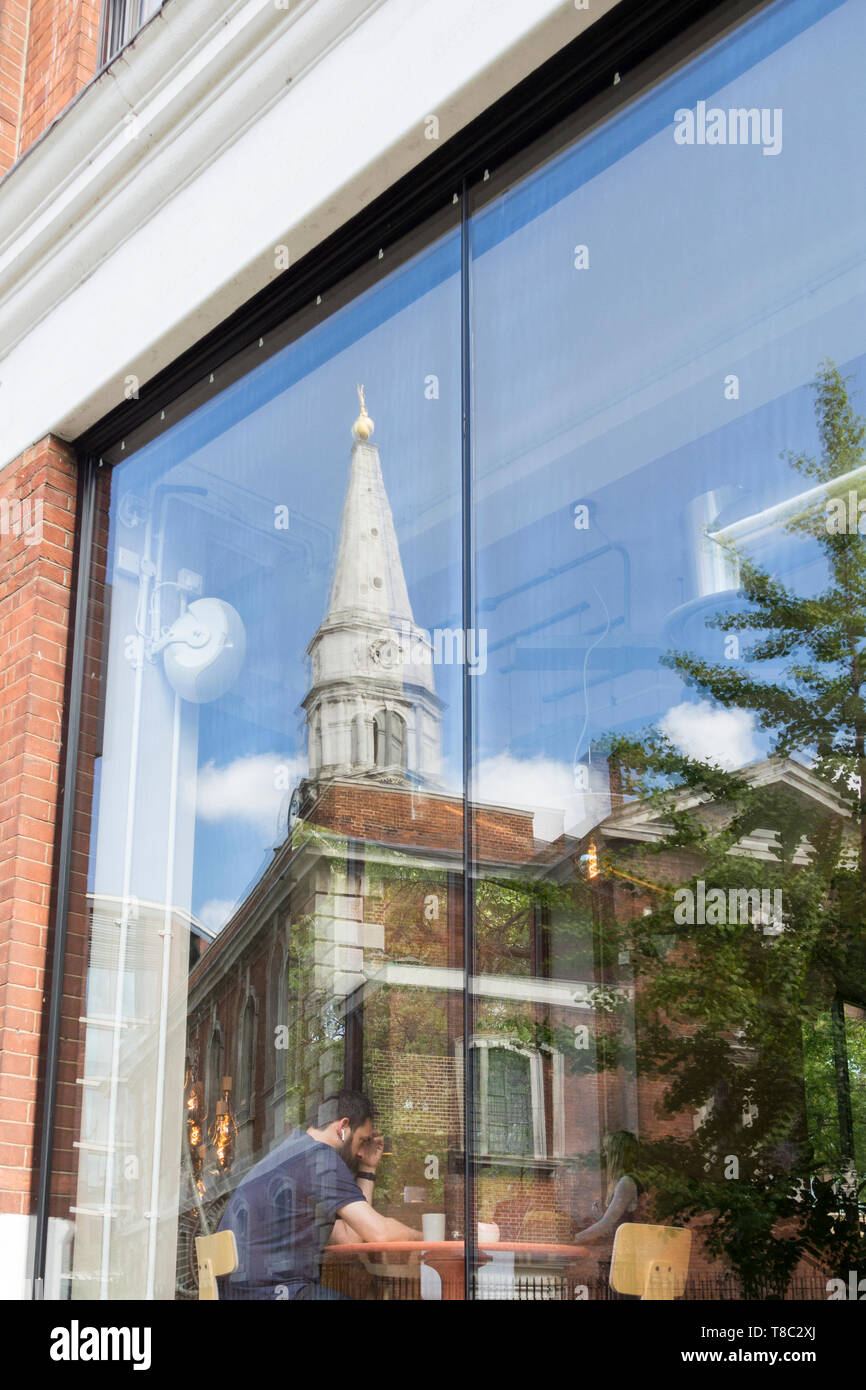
[{"x": 203, "y": 650}]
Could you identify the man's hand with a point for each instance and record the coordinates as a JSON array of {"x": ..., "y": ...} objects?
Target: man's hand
[{"x": 370, "y": 1151}]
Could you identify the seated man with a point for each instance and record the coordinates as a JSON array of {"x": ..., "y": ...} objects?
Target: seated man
[{"x": 315, "y": 1188}]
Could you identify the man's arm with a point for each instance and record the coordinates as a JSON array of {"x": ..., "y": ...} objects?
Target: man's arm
[
  {"x": 343, "y": 1234},
  {"x": 354, "y": 1222},
  {"x": 366, "y": 1224},
  {"x": 359, "y": 1221}
]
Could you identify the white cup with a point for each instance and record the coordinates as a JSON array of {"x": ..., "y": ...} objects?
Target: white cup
[{"x": 433, "y": 1225}]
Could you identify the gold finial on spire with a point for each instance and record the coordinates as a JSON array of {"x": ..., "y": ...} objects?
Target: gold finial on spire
[{"x": 363, "y": 426}]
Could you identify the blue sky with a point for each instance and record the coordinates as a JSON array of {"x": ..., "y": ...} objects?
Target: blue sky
[{"x": 602, "y": 386}]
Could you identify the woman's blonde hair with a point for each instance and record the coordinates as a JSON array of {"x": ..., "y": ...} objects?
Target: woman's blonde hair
[{"x": 621, "y": 1151}]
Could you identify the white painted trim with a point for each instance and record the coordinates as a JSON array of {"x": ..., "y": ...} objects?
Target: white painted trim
[
  {"x": 574, "y": 994},
  {"x": 150, "y": 210}
]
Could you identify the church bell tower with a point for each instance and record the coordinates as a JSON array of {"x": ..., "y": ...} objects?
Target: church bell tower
[{"x": 372, "y": 710}]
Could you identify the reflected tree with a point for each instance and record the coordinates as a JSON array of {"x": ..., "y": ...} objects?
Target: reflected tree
[{"x": 754, "y": 930}]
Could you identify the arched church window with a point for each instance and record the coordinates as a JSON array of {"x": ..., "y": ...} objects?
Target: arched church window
[
  {"x": 290, "y": 1047},
  {"x": 389, "y": 740},
  {"x": 213, "y": 1072},
  {"x": 509, "y": 1102},
  {"x": 247, "y": 1058}
]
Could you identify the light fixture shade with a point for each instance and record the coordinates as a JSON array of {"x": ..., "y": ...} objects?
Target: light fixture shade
[{"x": 205, "y": 650}]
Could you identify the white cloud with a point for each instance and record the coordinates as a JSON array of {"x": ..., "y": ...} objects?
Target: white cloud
[
  {"x": 541, "y": 785},
  {"x": 725, "y": 737},
  {"x": 254, "y": 789},
  {"x": 215, "y": 913}
]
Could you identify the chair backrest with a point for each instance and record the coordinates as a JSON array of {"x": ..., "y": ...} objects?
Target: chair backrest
[
  {"x": 650, "y": 1262},
  {"x": 550, "y": 1226},
  {"x": 216, "y": 1254}
]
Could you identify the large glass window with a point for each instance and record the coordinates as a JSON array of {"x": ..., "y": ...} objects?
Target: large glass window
[
  {"x": 273, "y": 720},
  {"x": 667, "y": 417},
  {"x": 658, "y": 696}
]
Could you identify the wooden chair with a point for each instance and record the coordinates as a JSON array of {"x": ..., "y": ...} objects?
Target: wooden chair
[
  {"x": 650, "y": 1262},
  {"x": 216, "y": 1254},
  {"x": 550, "y": 1227}
]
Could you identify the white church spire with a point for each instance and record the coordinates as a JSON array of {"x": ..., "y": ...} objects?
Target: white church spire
[
  {"x": 372, "y": 711},
  {"x": 368, "y": 578}
]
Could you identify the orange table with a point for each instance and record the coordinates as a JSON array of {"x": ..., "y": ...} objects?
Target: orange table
[{"x": 447, "y": 1256}]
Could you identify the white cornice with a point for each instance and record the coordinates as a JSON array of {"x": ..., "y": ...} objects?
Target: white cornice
[
  {"x": 189, "y": 81},
  {"x": 150, "y": 210}
]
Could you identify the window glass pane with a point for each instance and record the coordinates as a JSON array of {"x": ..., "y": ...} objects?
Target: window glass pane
[
  {"x": 121, "y": 21},
  {"x": 669, "y": 374},
  {"x": 271, "y": 915},
  {"x": 509, "y": 1103}
]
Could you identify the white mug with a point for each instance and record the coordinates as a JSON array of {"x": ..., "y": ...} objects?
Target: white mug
[{"x": 433, "y": 1225}]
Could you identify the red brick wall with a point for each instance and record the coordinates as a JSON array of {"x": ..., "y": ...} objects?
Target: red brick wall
[
  {"x": 35, "y": 578},
  {"x": 48, "y": 51},
  {"x": 402, "y": 817},
  {"x": 67, "y": 1112},
  {"x": 13, "y": 43}
]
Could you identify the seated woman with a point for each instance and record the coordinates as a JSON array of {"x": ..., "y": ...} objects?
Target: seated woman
[{"x": 623, "y": 1197}]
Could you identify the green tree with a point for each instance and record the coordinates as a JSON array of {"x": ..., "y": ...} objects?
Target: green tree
[{"x": 722, "y": 1005}]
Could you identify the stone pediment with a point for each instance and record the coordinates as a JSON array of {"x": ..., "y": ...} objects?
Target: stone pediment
[{"x": 642, "y": 821}]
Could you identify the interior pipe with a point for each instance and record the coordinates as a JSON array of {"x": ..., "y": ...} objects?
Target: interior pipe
[
  {"x": 145, "y": 572},
  {"x": 166, "y": 934}
]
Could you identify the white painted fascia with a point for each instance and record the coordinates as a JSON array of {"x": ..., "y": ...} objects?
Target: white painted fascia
[
  {"x": 147, "y": 126},
  {"x": 151, "y": 209}
]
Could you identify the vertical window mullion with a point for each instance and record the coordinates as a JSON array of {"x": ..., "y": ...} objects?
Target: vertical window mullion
[{"x": 469, "y": 962}]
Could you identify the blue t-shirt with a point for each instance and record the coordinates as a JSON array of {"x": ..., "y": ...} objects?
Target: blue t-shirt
[{"x": 282, "y": 1214}]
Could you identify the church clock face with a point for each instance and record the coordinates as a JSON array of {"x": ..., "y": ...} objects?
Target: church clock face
[{"x": 385, "y": 653}]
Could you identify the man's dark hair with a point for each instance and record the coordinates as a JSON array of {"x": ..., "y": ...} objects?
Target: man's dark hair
[{"x": 353, "y": 1104}]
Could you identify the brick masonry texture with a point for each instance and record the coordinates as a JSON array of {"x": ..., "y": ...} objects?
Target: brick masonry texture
[
  {"x": 37, "y": 516},
  {"x": 48, "y": 52}
]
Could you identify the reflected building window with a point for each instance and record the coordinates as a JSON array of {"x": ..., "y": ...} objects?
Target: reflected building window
[
  {"x": 510, "y": 1083},
  {"x": 389, "y": 740},
  {"x": 213, "y": 1072},
  {"x": 120, "y": 21},
  {"x": 275, "y": 1017},
  {"x": 291, "y": 1017},
  {"x": 509, "y": 1102},
  {"x": 247, "y": 1056}
]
